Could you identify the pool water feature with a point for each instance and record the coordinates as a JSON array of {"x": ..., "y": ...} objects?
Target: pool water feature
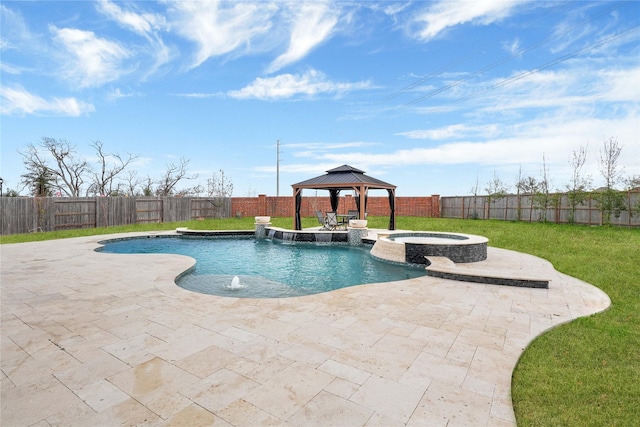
[{"x": 268, "y": 268}]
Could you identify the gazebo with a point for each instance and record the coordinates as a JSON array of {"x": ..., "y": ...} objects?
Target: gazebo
[{"x": 345, "y": 177}]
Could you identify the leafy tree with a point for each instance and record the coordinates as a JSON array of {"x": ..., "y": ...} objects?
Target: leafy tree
[
  {"x": 147, "y": 187},
  {"x": 529, "y": 186},
  {"x": 610, "y": 200},
  {"x": 633, "y": 184},
  {"x": 40, "y": 180},
  {"x": 496, "y": 189},
  {"x": 579, "y": 184}
]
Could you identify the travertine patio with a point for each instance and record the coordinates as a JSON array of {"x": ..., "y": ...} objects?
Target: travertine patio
[{"x": 102, "y": 339}]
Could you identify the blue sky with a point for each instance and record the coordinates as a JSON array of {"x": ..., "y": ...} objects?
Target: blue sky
[{"x": 430, "y": 96}]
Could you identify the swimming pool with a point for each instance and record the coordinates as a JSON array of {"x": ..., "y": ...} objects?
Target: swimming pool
[{"x": 268, "y": 268}]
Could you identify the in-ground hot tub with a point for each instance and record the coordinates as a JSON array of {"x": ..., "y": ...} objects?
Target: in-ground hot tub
[{"x": 413, "y": 247}]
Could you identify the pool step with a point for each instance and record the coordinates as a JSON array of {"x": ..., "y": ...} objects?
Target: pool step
[{"x": 444, "y": 268}]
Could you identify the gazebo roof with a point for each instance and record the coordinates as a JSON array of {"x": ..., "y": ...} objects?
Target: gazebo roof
[{"x": 343, "y": 177}]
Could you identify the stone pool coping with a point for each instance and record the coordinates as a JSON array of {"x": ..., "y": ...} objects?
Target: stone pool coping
[{"x": 92, "y": 338}]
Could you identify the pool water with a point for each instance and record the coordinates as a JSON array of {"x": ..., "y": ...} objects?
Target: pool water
[{"x": 268, "y": 268}]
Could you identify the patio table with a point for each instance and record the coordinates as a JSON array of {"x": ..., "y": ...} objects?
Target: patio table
[{"x": 344, "y": 218}]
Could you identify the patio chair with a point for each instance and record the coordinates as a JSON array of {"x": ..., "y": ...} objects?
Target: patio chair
[
  {"x": 322, "y": 220},
  {"x": 332, "y": 221},
  {"x": 353, "y": 214}
]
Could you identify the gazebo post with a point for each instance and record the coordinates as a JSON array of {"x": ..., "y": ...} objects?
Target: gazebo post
[
  {"x": 362, "y": 202},
  {"x": 297, "y": 197}
]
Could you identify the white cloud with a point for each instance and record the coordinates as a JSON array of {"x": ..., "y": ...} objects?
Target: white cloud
[
  {"x": 220, "y": 28},
  {"x": 314, "y": 23},
  {"x": 11, "y": 69},
  {"x": 452, "y": 131},
  {"x": 14, "y": 30},
  {"x": 93, "y": 61},
  {"x": 201, "y": 95},
  {"x": 141, "y": 23},
  {"x": 146, "y": 25},
  {"x": 315, "y": 149},
  {"x": 444, "y": 14},
  {"x": 116, "y": 94},
  {"x": 289, "y": 85},
  {"x": 512, "y": 47},
  {"x": 17, "y": 101}
]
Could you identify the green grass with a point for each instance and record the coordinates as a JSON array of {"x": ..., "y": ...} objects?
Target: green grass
[
  {"x": 585, "y": 373},
  {"x": 210, "y": 224}
]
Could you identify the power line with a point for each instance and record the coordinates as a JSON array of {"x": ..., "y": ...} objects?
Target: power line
[
  {"x": 278, "y": 167},
  {"x": 550, "y": 64},
  {"x": 506, "y": 59},
  {"x": 424, "y": 79}
]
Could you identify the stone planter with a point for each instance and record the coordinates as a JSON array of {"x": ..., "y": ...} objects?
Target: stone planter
[
  {"x": 358, "y": 223},
  {"x": 263, "y": 219}
]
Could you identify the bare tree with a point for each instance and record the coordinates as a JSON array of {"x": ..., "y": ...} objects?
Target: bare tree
[
  {"x": 251, "y": 192},
  {"x": 69, "y": 169},
  {"x": 579, "y": 183},
  {"x": 519, "y": 194},
  {"x": 609, "y": 162},
  {"x": 219, "y": 185},
  {"x": 173, "y": 175},
  {"x": 191, "y": 191},
  {"x": 610, "y": 200},
  {"x": 110, "y": 166},
  {"x": 475, "y": 190},
  {"x": 131, "y": 183},
  {"x": 542, "y": 197}
]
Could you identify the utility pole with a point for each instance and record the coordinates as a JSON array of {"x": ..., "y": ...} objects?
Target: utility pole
[{"x": 278, "y": 168}]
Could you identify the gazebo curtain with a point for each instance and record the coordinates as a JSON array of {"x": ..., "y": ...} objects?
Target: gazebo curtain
[
  {"x": 334, "y": 198},
  {"x": 392, "y": 205}
]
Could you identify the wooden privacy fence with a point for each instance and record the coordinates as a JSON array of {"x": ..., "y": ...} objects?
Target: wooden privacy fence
[
  {"x": 30, "y": 214},
  {"x": 522, "y": 208}
]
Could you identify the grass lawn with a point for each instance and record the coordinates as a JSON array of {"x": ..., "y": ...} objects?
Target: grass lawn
[{"x": 585, "y": 373}]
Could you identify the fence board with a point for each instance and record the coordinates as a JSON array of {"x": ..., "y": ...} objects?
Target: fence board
[
  {"x": 74, "y": 213},
  {"x": 149, "y": 210}
]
